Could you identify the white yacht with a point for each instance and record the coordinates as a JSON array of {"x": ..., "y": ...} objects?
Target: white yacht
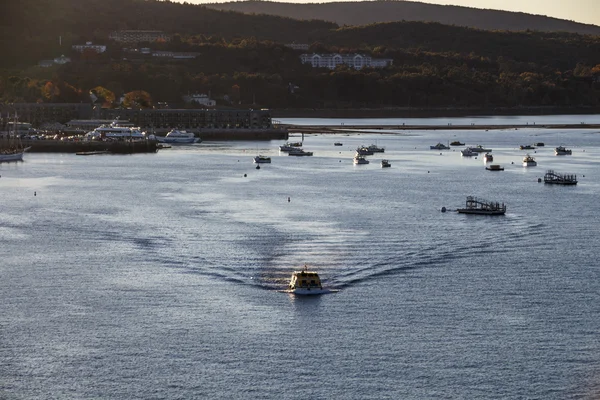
[
  {"x": 176, "y": 136},
  {"x": 115, "y": 131},
  {"x": 562, "y": 151},
  {"x": 262, "y": 159},
  {"x": 468, "y": 152}
]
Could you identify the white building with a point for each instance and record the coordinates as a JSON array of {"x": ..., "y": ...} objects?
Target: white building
[
  {"x": 331, "y": 61},
  {"x": 88, "y": 45},
  {"x": 200, "y": 99}
]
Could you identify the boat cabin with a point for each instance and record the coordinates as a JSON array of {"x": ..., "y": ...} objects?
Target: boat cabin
[{"x": 305, "y": 280}]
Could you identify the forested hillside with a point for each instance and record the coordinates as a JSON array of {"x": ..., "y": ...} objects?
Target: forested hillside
[
  {"x": 243, "y": 60},
  {"x": 369, "y": 12}
]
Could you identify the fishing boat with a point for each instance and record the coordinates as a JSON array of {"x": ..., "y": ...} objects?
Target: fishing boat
[
  {"x": 555, "y": 178},
  {"x": 562, "y": 151},
  {"x": 299, "y": 153},
  {"x": 385, "y": 164},
  {"x": 540, "y": 144},
  {"x": 488, "y": 157},
  {"x": 529, "y": 161},
  {"x": 306, "y": 282},
  {"x": 439, "y": 146},
  {"x": 286, "y": 147},
  {"x": 338, "y": 144},
  {"x": 364, "y": 151},
  {"x": 375, "y": 149},
  {"x": 494, "y": 167},
  {"x": 526, "y": 147},
  {"x": 262, "y": 159},
  {"x": 480, "y": 149},
  {"x": 358, "y": 160},
  {"x": 468, "y": 152},
  {"x": 482, "y": 207},
  {"x": 456, "y": 143}
]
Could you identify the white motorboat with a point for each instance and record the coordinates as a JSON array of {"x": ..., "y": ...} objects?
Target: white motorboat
[
  {"x": 529, "y": 161},
  {"x": 299, "y": 152},
  {"x": 115, "y": 131},
  {"x": 178, "y": 137},
  {"x": 562, "y": 151}
]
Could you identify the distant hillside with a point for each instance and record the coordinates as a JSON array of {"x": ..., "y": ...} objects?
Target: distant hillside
[{"x": 368, "y": 12}]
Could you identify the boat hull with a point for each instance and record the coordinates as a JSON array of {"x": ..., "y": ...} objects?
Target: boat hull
[
  {"x": 479, "y": 212},
  {"x": 309, "y": 292},
  {"x": 176, "y": 140},
  {"x": 11, "y": 157}
]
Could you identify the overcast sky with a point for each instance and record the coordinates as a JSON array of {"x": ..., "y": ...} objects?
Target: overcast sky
[{"x": 586, "y": 11}]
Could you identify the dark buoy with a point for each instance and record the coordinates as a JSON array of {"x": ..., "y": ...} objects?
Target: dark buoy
[
  {"x": 289, "y": 200},
  {"x": 258, "y": 167},
  {"x": 512, "y": 162},
  {"x": 245, "y": 175},
  {"x": 443, "y": 209},
  {"x": 539, "y": 180},
  {"x": 35, "y": 193}
]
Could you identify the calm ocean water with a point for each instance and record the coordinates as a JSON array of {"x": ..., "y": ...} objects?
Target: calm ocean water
[{"x": 156, "y": 276}]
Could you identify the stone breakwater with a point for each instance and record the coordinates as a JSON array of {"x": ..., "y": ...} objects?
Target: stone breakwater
[{"x": 345, "y": 129}]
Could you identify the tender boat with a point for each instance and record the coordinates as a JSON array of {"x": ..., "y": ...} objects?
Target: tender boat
[
  {"x": 488, "y": 157},
  {"x": 526, "y": 147},
  {"x": 358, "y": 159},
  {"x": 262, "y": 160},
  {"x": 306, "y": 282},
  {"x": 482, "y": 207},
  {"x": 299, "y": 152},
  {"x": 468, "y": 152},
  {"x": 529, "y": 161},
  {"x": 561, "y": 151},
  {"x": 540, "y": 144},
  {"x": 560, "y": 179},
  {"x": 385, "y": 164},
  {"x": 178, "y": 137},
  {"x": 480, "y": 149},
  {"x": 440, "y": 146},
  {"x": 456, "y": 143},
  {"x": 338, "y": 144},
  {"x": 494, "y": 167}
]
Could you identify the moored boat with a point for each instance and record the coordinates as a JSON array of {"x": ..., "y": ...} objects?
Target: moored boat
[
  {"x": 488, "y": 157},
  {"x": 439, "y": 146},
  {"x": 456, "y": 143},
  {"x": 299, "y": 153},
  {"x": 358, "y": 159},
  {"x": 480, "y": 149},
  {"x": 482, "y": 207},
  {"x": 468, "y": 152},
  {"x": 364, "y": 151},
  {"x": 338, "y": 144},
  {"x": 494, "y": 167},
  {"x": 176, "y": 136},
  {"x": 526, "y": 147},
  {"x": 375, "y": 149},
  {"x": 555, "y": 178},
  {"x": 529, "y": 161},
  {"x": 262, "y": 159},
  {"x": 385, "y": 164},
  {"x": 562, "y": 151}
]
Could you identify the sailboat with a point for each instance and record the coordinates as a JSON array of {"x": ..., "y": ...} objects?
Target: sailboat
[{"x": 13, "y": 151}]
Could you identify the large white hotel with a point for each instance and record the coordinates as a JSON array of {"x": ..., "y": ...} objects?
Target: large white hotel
[{"x": 356, "y": 61}]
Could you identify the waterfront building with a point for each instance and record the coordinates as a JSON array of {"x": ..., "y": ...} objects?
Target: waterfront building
[
  {"x": 201, "y": 99},
  {"x": 38, "y": 114}
]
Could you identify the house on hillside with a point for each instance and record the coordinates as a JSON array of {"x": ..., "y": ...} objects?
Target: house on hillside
[
  {"x": 89, "y": 45},
  {"x": 332, "y": 60}
]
